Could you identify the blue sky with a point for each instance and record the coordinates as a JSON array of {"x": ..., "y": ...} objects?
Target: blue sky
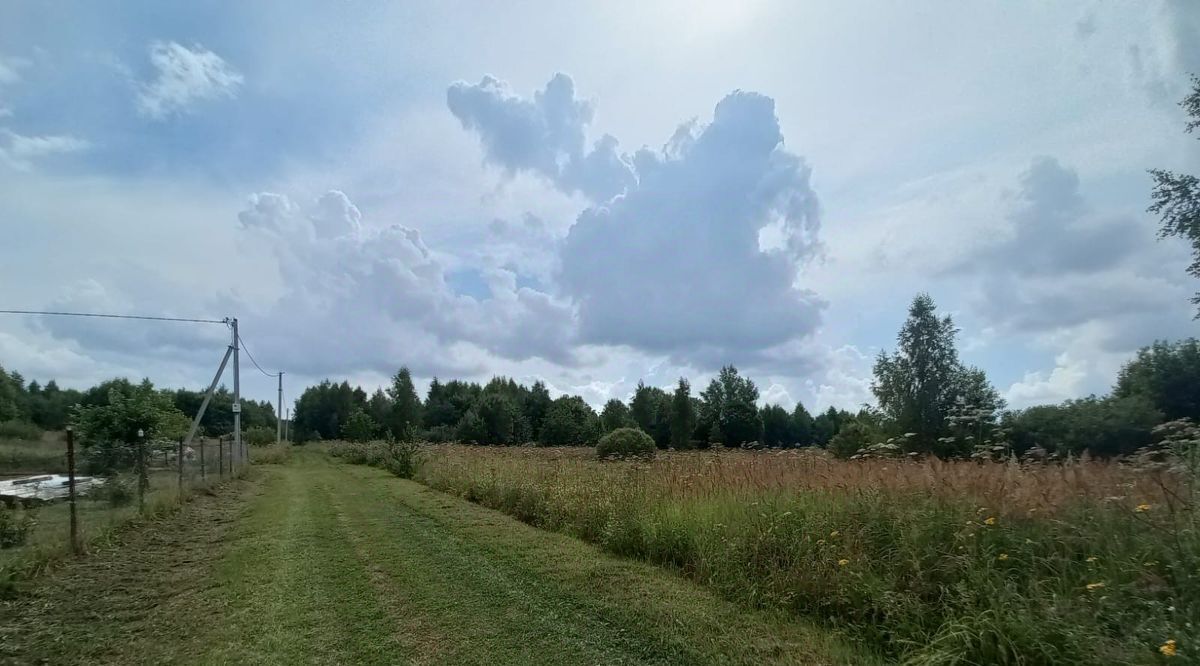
[{"x": 593, "y": 195}]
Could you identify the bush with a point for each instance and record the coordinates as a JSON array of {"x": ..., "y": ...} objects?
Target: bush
[
  {"x": 403, "y": 459},
  {"x": 439, "y": 434},
  {"x": 275, "y": 454},
  {"x": 19, "y": 430},
  {"x": 850, "y": 440},
  {"x": 15, "y": 525},
  {"x": 625, "y": 443},
  {"x": 259, "y": 436},
  {"x": 116, "y": 490}
]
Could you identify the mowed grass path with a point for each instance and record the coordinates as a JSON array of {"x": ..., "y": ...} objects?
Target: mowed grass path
[{"x": 318, "y": 562}]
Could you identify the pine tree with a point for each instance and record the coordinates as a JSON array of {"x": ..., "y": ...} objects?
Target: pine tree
[
  {"x": 406, "y": 405},
  {"x": 683, "y": 418}
]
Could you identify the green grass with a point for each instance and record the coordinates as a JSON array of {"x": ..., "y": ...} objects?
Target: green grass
[
  {"x": 20, "y": 457},
  {"x": 319, "y": 562}
]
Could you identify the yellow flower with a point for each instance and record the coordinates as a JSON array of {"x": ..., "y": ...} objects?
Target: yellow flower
[
  {"x": 834, "y": 533},
  {"x": 1168, "y": 649},
  {"x": 1091, "y": 559},
  {"x": 842, "y": 563},
  {"x": 1003, "y": 556},
  {"x": 990, "y": 521},
  {"x": 1094, "y": 586},
  {"x": 1142, "y": 508}
]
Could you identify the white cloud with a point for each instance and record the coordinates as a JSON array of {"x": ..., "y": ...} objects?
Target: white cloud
[
  {"x": 185, "y": 77},
  {"x": 20, "y": 151},
  {"x": 1066, "y": 380}
]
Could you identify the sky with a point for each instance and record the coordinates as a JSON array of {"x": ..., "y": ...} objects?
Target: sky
[{"x": 591, "y": 194}]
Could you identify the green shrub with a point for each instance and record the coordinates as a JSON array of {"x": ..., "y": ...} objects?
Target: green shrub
[
  {"x": 403, "y": 459},
  {"x": 15, "y": 526},
  {"x": 625, "y": 443},
  {"x": 259, "y": 436},
  {"x": 19, "y": 430},
  {"x": 850, "y": 440},
  {"x": 275, "y": 454}
]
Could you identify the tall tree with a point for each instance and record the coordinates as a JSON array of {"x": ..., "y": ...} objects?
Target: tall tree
[
  {"x": 644, "y": 407},
  {"x": 615, "y": 415},
  {"x": 406, "y": 405},
  {"x": 923, "y": 382},
  {"x": 1176, "y": 197},
  {"x": 730, "y": 414},
  {"x": 1168, "y": 374},
  {"x": 683, "y": 417},
  {"x": 802, "y": 426},
  {"x": 534, "y": 407},
  {"x": 570, "y": 422},
  {"x": 777, "y": 427}
]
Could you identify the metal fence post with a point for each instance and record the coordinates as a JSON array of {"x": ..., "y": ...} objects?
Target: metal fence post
[{"x": 71, "y": 488}]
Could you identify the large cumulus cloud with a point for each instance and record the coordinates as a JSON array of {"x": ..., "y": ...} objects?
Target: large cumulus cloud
[
  {"x": 676, "y": 264},
  {"x": 545, "y": 135},
  {"x": 372, "y": 298}
]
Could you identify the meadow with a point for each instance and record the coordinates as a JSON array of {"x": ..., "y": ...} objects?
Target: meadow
[{"x": 929, "y": 562}]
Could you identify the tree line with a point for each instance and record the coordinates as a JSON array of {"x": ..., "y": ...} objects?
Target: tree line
[
  {"x": 29, "y": 407},
  {"x": 927, "y": 401}
]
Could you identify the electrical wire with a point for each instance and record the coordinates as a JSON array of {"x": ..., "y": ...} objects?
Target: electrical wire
[
  {"x": 114, "y": 316},
  {"x": 251, "y": 357}
]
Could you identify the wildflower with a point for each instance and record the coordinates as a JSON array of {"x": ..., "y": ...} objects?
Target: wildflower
[
  {"x": 834, "y": 534},
  {"x": 990, "y": 521},
  {"x": 1003, "y": 556},
  {"x": 1094, "y": 586},
  {"x": 1168, "y": 649},
  {"x": 1091, "y": 559},
  {"x": 1142, "y": 508},
  {"x": 843, "y": 562}
]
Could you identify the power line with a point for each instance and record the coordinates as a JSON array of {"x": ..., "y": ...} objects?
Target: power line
[
  {"x": 114, "y": 316},
  {"x": 251, "y": 357}
]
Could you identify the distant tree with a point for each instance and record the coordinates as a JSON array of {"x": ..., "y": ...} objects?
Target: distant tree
[
  {"x": 682, "y": 418},
  {"x": 919, "y": 386},
  {"x": 615, "y": 415},
  {"x": 379, "y": 407},
  {"x": 1103, "y": 426},
  {"x": 570, "y": 422},
  {"x": 501, "y": 418},
  {"x": 406, "y": 405},
  {"x": 828, "y": 423},
  {"x": 321, "y": 410},
  {"x": 802, "y": 426},
  {"x": 644, "y": 407},
  {"x": 662, "y": 420},
  {"x": 534, "y": 406},
  {"x": 471, "y": 429},
  {"x": 359, "y": 426},
  {"x": 109, "y": 431},
  {"x": 730, "y": 410},
  {"x": 1176, "y": 197},
  {"x": 447, "y": 403},
  {"x": 776, "y": 426},
  {"x": 1167, "y": 374}
]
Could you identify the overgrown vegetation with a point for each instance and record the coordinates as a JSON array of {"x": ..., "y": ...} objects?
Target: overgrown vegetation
[
  {"x": 403, "y": 458},
  {"x": 1083, "y": 562}
]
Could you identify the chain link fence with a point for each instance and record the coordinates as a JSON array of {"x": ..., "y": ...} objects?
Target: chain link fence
[{"x": 56, "y": 497}]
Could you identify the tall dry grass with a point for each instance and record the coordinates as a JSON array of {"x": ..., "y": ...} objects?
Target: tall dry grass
[{"x": 1087, "y": 562}]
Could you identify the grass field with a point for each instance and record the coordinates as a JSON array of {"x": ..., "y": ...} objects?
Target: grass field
[
  {"x": 319, "y": 562},
  {"x": 1087, "y": 562}
]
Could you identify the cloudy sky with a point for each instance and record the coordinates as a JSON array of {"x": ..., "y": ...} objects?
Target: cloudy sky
[{"x": 591, "y": 195}]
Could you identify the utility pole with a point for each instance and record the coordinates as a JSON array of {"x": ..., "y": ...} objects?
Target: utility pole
[
  {"x": 279, "y": 413},
  {"x": 237, "y": 390}
]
